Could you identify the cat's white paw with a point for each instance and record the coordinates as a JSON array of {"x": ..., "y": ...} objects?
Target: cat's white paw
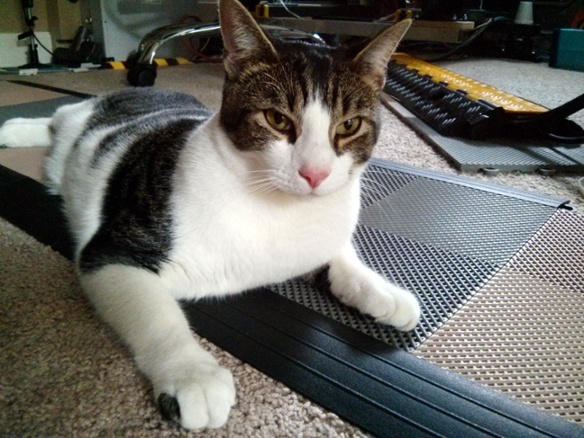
[
  {"x": 397, "y": 307},
  {"x": 359, "y": 287},
  {"x": 21, "y": 132},
  {"x": 197, "y": 396}
]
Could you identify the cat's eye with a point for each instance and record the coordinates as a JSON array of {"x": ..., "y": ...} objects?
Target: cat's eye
[
  {"x": 278, "y": 120},
  {"x": 349, "y": 127}
]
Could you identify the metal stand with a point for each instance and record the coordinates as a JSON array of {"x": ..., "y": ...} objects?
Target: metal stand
[
  {"x": 33, "y": 54},
  {"x": 142, "y": 72}
]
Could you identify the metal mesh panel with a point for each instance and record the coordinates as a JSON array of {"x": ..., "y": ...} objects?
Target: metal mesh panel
[
  {"x": 457, "y": 218},
  {"x": 523, "y": 333},
  {"x": 508, "y": 154},
  {"x": 326, "y": 304},
  {"x": 441, "y": 240},
  {"x": 379, "y": 183},
  {"x": 443, "y": 280},
  {"x": 556, "y": 253}
]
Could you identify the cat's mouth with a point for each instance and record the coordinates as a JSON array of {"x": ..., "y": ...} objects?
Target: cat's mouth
[
  {"x": 297, "y": 189},
  {"x": 309, "y": 180},
  {"x": 308, "y": 189}
]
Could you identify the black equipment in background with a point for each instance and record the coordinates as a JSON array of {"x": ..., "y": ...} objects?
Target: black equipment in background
[{"x": 33, "y": 53}]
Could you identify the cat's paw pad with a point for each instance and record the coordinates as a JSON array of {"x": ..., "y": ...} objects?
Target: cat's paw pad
[{"x": 198, "y": 398}]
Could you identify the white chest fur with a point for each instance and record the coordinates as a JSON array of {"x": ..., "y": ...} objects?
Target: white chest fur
[{"x": 229, "y": 238}]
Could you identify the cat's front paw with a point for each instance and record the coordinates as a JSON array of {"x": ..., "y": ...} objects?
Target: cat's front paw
[
  {"x": 198, "y": 396},
  {"x": 363, "y": 289},
  {"x": 397, "y": 307}
]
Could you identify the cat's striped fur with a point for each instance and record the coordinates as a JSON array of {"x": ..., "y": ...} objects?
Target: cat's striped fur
[{"x": 167, "y": 201}]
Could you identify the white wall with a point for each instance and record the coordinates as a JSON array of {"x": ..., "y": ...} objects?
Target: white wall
[
  {"x": 121, "y": 31},
  {"x": 14, "y": 53}
]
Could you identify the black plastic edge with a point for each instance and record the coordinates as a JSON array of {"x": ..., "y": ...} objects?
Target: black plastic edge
[
  {"x": 51, "y": 88},
  {"x": 43, "y": 108},
  {"x": 26, "y": 204}
]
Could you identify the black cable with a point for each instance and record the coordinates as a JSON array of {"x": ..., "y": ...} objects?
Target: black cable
[
  {"x": 28, "y": 4},
  {"x": 565, "y": 7},
  {"x": 558, "y": 113},
  {"x": 562, "y": 139},
  {"x": 40, "y": 44},
  {"x": 545, "y": 123}
]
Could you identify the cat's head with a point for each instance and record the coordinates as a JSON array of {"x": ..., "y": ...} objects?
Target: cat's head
[{"x": 305, "y": 116}]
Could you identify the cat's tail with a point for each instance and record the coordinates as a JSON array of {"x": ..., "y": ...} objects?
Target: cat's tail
[{"x": 21, "y": 132}]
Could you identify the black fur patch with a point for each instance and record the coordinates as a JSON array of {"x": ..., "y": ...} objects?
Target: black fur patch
[
  {"x": 169, "y": 407},
  {"x": 136, "y": 226}
]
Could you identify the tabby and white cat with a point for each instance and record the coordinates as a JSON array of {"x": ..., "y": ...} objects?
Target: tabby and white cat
[{"x": 167, "y": 201}]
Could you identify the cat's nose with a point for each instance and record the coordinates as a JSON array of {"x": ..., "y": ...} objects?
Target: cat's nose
[{"x": 314, "y": 176}]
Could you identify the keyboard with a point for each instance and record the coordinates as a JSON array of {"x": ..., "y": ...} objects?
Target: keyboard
[{"x": 456, "y": 106}]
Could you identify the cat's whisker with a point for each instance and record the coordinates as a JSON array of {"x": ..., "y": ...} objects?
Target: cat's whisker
[
  {"x": 371, "y": 186},
  {"x": 370, "y": 181},
  {"x": 368, "y": 197},
  {"x": 370, "y": 191},
  {"x": 256, "y": 185},
  {"x": 370, "y": 170},
  {"x": 264, "y": 176},
  {"x": 254, "y": 173},
  {"x": 262, "y": 185},
  {"x": 247, "y": 173}
]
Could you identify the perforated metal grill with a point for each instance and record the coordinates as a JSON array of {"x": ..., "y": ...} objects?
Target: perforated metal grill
[
  {"x": 523, "y": 333},
  {"x": 509, "y": 154},
  {"x": 457, "y": 218},
  {"x": 443, "y": 280},
  {"x": 556, "y": 253},
  {"x": 442, "y": 240}
]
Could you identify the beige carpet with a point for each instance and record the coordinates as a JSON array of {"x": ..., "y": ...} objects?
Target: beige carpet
[{"x": 63, "y": 374}]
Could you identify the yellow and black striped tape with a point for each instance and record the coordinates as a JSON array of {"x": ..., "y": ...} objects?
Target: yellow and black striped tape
[{"x": 160, "y": 62}]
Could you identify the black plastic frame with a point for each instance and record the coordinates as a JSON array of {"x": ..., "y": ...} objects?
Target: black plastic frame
[{"x": 383, "y": 390}]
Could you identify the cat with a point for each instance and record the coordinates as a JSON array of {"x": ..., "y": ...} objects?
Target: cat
[{"x": 167, "y": 201}]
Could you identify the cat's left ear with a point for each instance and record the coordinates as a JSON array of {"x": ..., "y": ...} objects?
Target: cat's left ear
[
  {"x": 243, "y": 39},
  {"x": 371, "y": 62}
]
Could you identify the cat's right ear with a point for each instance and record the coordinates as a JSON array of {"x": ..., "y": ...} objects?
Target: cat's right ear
[
  {"x": 243, "y": 39},
  {"x": 372, "y": 61}
]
